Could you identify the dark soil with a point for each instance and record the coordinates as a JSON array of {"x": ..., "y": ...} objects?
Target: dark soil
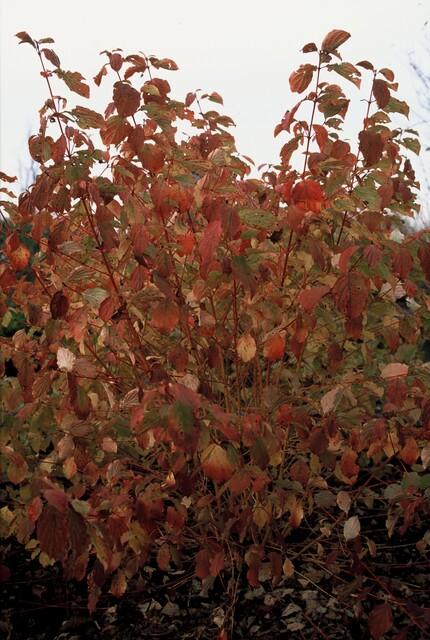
[{"x": 319, "y": 601}]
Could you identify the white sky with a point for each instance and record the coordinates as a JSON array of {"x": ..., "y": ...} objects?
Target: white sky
[{"x": 244, "y": 49}]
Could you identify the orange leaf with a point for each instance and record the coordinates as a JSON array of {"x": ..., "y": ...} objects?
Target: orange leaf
[
  {"x": 274, "y": 347},
  {"x": 299, "y": 80},
  {"x": 410, "y": 452}
]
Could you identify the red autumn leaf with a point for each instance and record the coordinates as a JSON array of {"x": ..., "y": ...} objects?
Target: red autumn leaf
[
  {"x": 287, "y": 120},
  {"x": 239, "y": 482},
  {"x": 126, "y": 99},
  {"x": 318, "y": 442},
  {"x": 300, "y": 472},
  {"x": 348, "y": 464},
  {"x": 397, "y": 391},
  {"x": 216, "y": 563},
  {"x": 299, "y": 80},
  {"x": 345, "y": 256},
  {"x": 310, "y": 298},
  {"x": 334, "y": 39},
  {"x": 165, "y": 316},
  {"x": 372, "y": 254},
  {"x": 381, "y": 93},
  {"x": 57, "y": 498},
  {"x": 209, "y": 243},
  {"x": 216, "y": 464},
  {"x": 308, "y": 195},
  {"x": 178, "y": 357},
  {"x": 115, "y": 130},
  {"x": 202, "y": 564},
  {"x": 151, "y": 157},
  {"x": 371, "y": 146},
  {"x": 35, "y": 509},
  {"x": 59, "y": 305},
  {"x": 424, "y": 258},
  {"x": 410, "y": 452},
  {"x": 321, "y": 135},
  {"x": 116, "y": 61},
  {"x": 187, "y": 242},
  {"x": 163, "y": 557},
  {"x": 402, "y": 262},
  {"x": 380, "y": 620},
  {"x": 295, "y": 218},
  {"x": 350, "y": 294},
  {"x": 274, "y": 347},
  {"x": 108, "y": 308},
  {"x": 52, "y": 532},
  {"x": 79, "y": 538},
  {"x": 52, "y": 57}
]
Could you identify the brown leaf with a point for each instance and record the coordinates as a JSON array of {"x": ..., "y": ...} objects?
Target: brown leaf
[
  {"x": 371, "y": 146},
  {"x": 381, "y": 93},
  {"x": 334, "y": 39},
  {"x": 59, "y": 305},
  {"x": 380, "y": 620},
  {"x": 126, "y": 99}
]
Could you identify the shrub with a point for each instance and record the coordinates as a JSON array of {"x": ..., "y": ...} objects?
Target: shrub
[{"x": 211, "y": 360}]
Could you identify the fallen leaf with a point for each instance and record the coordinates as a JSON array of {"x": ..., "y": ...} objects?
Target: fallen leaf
[
  {"x": 351, "y": 528},
  {"x": 394, "y": 370}
]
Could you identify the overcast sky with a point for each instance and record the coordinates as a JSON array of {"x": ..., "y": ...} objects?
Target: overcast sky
[{"x": 244, "y": 49}]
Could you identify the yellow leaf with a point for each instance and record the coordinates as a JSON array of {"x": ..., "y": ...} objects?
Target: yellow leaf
[
  {"x": 288, "y": 568},
  {"x": 246, "y": 347}
]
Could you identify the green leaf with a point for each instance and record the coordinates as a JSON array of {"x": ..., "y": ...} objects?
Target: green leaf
[
  {"x": 95, "y": 296},
  {"x": 73, "y": 80},
  {"x": 257, "y": 218},
  {"x": 183, "y": 414},
  {"x": 397, "y": 106},
  {"x": 242, "y": 271},
  {"x": 348, "y": 71},
  {"x": 411, "y": 143},
  {"x": 368, "y": 194},
  {"x": 87, "y": 118}
]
